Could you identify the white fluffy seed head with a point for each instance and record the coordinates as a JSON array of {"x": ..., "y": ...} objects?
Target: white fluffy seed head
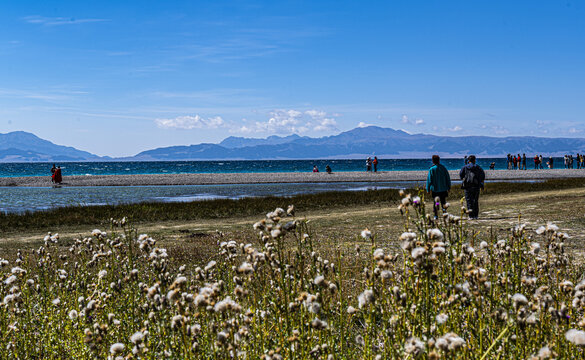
[
  {"x": 576, "y": 337},
  {"x": 366, "y": 234},
  {"x": 519, "y": 300},
  {"x": 366, "y": 298},
  {"x": 116, "y": 348},
  {"x": 137, "y": 338}
]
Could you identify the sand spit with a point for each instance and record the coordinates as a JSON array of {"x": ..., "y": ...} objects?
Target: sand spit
[{"x": 259, "y": 178}]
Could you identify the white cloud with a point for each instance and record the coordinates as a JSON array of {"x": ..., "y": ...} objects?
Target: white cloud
[
  {"x": 574, "y": 131},
  {"x": 325, "y": 125},
  {"x": 55, "y": 21},
  {"x": 407, "y": 120},
  {"x": 320, "y": 121},
  {"x": 456, "y": 128},
  {"x": 292, "y": 121},
  {"x": 316, "y": 113},
  {"x": 285, "y": 117},
  {"x": 190, "y": 122},
  {"x": 363, "y": 124}
]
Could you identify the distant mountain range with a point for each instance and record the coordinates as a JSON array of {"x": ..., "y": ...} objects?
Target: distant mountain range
[
  {"x": 362, "y": 142},
  {"x": 356, "y": 143},
  {"x": 20, "y": 146}
]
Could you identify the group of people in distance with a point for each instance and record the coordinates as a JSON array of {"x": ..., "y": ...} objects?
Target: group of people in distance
[
  {"x": 56, "y": 177},
  {"x": 370, "y": 163},
  {"x": 517, "y": 162},
  {"x": 578, "y": 161},
  {"x": 472, "y": 181},
  {"x": 327, "y": 168}
]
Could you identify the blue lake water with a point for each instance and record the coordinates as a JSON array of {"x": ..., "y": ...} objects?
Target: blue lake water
[{"x": 252, "y": 166}]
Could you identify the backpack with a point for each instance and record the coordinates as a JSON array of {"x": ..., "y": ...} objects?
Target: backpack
[{"x": 470, "y": 180}]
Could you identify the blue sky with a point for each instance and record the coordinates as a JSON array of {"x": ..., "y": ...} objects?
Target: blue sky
[{"x": 118, "y": 77}]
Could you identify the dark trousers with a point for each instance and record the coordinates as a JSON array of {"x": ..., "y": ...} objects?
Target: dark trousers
[
  {"x": 472, "y": 198},
  {"x": 442, "y": 198}
]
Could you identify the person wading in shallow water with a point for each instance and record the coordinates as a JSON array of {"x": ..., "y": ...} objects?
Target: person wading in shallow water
[
  {"x": 472, "y": 180},
  {"x": 438, "y": 183}
]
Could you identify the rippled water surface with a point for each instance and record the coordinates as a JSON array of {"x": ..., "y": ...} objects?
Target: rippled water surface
[
  {"x": 193, "y": 167},
  {"x": 21, "y": 199}
]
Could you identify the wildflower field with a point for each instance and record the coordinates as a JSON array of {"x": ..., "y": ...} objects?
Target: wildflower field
[{"x": 446, "y": 292}]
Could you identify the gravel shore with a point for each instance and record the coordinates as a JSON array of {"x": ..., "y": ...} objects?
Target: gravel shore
[{"x": 258, "y": 178}]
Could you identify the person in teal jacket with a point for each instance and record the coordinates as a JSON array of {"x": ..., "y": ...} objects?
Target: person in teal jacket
[{"x": 438, "y": 183}]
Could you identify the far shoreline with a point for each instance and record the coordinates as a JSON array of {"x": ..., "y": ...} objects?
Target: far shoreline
[{"x": 266, "y": 178}]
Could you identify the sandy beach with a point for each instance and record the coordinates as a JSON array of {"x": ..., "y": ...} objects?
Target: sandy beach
[{"x": 259, "y": 178}]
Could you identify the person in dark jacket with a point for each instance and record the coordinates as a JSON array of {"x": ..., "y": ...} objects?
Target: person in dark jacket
[
  {"x": 438, "y": 183},
  {"x": 472, "y": 177}
]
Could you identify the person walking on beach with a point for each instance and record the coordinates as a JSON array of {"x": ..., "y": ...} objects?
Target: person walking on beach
[
  {"x": 472, "y": 181},
  {"x": 523, "y": 161},
  {"x": 375, "y": 162},
  {"x": 438, "y": 183},
  {"x": 540, "y": 162},
  {"x": 369, "y": 164}
]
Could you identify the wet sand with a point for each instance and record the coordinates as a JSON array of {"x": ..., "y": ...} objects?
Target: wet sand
[{"x": 264, "y": 178}]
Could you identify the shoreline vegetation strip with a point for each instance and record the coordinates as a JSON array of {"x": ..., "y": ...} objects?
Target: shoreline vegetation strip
[{"x": 228, "y": 208}]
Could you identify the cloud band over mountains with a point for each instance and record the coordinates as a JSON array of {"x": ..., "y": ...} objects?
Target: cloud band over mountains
[{"x": 279, "y": 121}]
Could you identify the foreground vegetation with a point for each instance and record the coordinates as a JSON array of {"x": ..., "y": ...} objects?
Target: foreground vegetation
[
  {"x": 75, "y": 216},
  {"x": 446, "y": 293}
]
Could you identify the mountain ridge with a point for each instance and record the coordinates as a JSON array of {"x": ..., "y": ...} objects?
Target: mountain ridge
[
  {"x": 368, "y": 141},
  {"x": 20, "y": 146}
]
